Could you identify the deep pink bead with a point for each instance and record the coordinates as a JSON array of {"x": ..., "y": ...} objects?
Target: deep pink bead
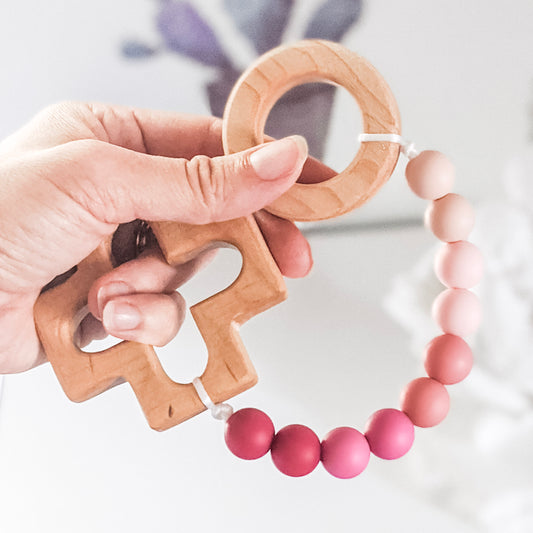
[
  {"x": 295, "y": 450},
  {"x": 249, "y": 433},
  {"x": 389, "y": 433},
  {"x": 345, "y": 452}
]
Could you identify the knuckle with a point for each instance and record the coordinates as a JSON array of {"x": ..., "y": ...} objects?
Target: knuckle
[{"x": 207, "y": 186}]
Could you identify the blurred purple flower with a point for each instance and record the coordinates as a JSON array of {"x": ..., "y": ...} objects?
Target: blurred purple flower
[
  {"x": 306, "y": 109},
  {"x": 185, "y": 32},
  {"x": 333, "y": 19},
  {"x": 262, "y": 21}
]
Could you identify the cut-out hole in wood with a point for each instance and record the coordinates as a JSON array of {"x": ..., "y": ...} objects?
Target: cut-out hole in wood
[
  {"x": 315, "y": 110},
  {"x": 185, "y": 357}
]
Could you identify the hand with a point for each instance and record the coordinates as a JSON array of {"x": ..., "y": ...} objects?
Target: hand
[{"x": 78, "y": 171}]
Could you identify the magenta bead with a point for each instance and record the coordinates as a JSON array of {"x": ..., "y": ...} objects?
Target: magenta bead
[
  {"x": 430, "y": 175},
  {"x": 457, "y": 311},
  {"x": 459, "y": 265},
  {"x": 345, "y": 452},
  {"x": 426, "y": 402},
  {"x": 249, "y": 433},
  {"x": 390, "y": 433},
  {"x": 295, "y": 450},
  {"x": 448, "y": 359},
  {"x": 450, "y": 218}
]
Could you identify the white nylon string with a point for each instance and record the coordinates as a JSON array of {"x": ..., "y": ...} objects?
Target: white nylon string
[
  {"x": 220, "y": 411},
  {"x": 407, "y": 147}
]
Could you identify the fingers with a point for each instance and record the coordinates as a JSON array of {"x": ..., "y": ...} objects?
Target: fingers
[
  {"x": 288, "y": 246},
  {"x": 136, "y": 301},
  {"x": 149, "y": 273},
  {"x": 90, "y": 329},
  {"x": 147, "y": 318},
  {"x": 121, "y": 185}
]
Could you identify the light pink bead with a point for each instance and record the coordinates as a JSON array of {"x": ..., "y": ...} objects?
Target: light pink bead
[
  {"x": 345, "y": 452},
  {"x": 390, "y": 433},
  {"x": 459, "y": 265},
  {"x": 426, "y": 402},
  {"x": 448, "y": 359},
  {"x": 457, "y": 311},
  {"x": 450, "y": 218},
  {"x": 430, "y": 175}
]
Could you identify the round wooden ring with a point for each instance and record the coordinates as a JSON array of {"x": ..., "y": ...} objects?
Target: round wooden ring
[{"x": 285, "y": 67}]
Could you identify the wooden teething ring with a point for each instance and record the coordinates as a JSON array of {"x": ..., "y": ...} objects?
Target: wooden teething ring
[{"x": 280, "y": 70}]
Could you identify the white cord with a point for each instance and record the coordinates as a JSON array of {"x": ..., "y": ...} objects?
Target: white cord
[
  {"x": 407, "y": 147},
  {"x": 220, "y": 411}
]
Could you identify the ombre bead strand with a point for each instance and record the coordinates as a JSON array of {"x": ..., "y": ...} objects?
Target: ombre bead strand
[{"x": 389, "y": 433}]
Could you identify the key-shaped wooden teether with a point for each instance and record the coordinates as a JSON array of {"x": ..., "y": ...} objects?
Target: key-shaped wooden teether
[{"x": 259, "y": 284}]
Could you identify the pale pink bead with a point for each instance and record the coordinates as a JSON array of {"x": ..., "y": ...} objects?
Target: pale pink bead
[
  {"x": 459, "y": 265},
  {"x": 457, "y": 311},
  {"x": 450, "y": 218},
  {"x": 426, "y": 402},
  {"x": 430, "y": 175}
]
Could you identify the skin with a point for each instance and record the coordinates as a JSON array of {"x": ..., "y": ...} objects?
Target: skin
[{"x": 76, "y": 172}]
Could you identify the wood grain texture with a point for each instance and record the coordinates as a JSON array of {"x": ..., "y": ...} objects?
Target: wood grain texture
[
  {"x": 165, "y": 403},
  {"x": 285, "y": 67},
  {"x": 259, "y": 285}
]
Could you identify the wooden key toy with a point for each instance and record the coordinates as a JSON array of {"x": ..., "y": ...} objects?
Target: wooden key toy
[{"x": 259, "y": 285}]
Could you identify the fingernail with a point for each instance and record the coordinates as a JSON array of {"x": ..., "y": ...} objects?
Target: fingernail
[
  {"x": 109, "y": 291},
  {"x": 278, "y": 159},
  {"x": 121, "y": 316}
]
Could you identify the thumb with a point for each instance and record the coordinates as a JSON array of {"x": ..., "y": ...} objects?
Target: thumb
[{"x": 130, "y": 185}]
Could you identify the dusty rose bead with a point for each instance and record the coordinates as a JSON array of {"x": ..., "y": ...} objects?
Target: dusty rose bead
[
  {"x": 249, "y": 433},
  {"x": 426, "y": 402},
  {"x": 295, "y": 450},
  {"x": 448, "y": 359},
  {"x": 345, "y": 452},
  {"x": 459, "y": 265},
  {"x": 450, "y": 218},
  {"x": 457, "y": 311},
  {"x": 390, "y": 433},
  {"x": 430, "y": 175}
]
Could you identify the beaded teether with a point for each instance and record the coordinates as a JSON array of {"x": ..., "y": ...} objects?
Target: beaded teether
[
  {"x": 389, "y": 433},
  {"x": 250, "y": 434}
]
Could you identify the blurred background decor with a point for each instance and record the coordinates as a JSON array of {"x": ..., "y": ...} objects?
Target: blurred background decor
[{"x": 307, "y": 108}]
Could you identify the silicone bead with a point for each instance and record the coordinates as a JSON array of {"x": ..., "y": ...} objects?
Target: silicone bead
[
  {"x": 459, "y": 265},
  {"x": 295, "y": 450},
  {"x": 390, "y": 433},
  {"x": 430, "y": 175},
  {"x": 448, "y": 359},
  {"x": 426, "y": 402},
  {"x": 450, "y": 218},
  {"x": 249, "y": 433},
  {"x": 457, "y": 311},
  {"x": 345, "y": 452}
]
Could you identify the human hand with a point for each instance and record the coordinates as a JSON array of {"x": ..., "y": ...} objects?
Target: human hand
[{"x": 77, "y": 171}]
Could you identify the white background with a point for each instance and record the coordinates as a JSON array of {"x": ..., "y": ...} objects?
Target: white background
[{"x": 329, "y": 356}]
